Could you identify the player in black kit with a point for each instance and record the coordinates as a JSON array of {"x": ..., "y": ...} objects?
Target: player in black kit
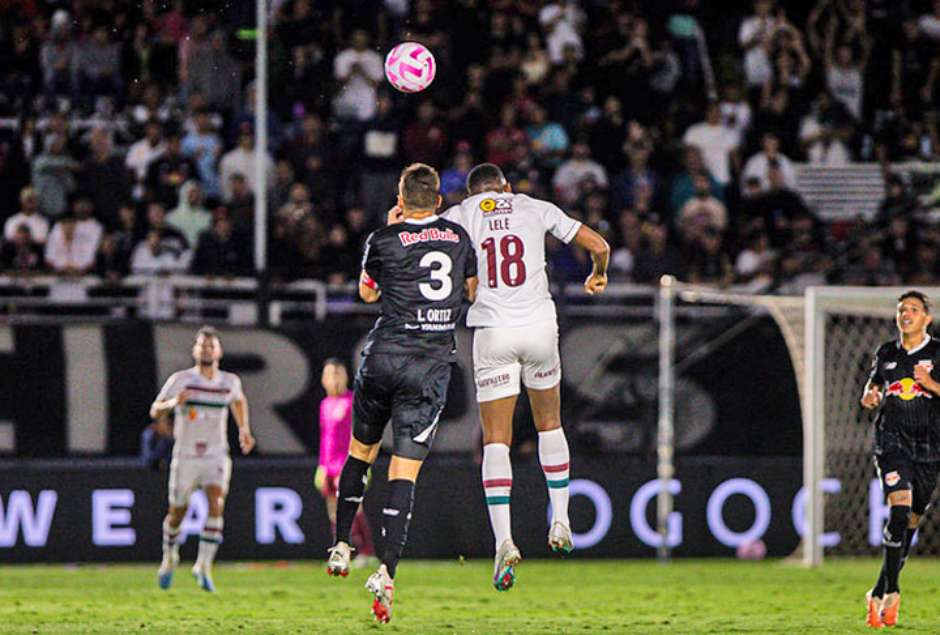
[
  {"x": 420, "y": 267},
  {"x": 904, "y": 391}
]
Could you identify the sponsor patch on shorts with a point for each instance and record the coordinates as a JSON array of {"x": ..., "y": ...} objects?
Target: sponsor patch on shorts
[{"x": 892, "y": 479}]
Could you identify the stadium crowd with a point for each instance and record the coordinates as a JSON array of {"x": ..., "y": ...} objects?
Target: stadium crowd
[{"x": 673, "y": 127}]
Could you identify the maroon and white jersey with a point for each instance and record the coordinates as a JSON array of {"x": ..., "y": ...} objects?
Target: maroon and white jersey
[
  {"x": 200, "y": 425},
  {"x": 508, "y": 231}
]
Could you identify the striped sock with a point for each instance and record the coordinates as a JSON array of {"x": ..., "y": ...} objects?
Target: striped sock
[
  {"x": 170, "y": 536},
  {"x": 554, "y": 457},
  {"x": 497, "y": 485},
  {"x": 209, "y": 541}
]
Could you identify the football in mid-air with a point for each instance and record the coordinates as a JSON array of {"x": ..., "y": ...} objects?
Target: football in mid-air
[{"x": 410, "y": 67}]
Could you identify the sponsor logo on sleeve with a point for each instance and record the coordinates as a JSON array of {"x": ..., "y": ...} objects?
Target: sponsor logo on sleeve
[{"x": 892, "y": 479}]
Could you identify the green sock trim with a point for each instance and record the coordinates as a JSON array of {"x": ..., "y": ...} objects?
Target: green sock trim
[
  {"x": 497, "y": 500},
  {"x": 558, "y": 484}
]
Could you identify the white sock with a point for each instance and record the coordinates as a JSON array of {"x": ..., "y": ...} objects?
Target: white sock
[
  {"x": 209, "y": 541},
  {"x": 497, "y": 485},
  {"x": 554, "y": 457},
  {"x": 170, "y": 536}
]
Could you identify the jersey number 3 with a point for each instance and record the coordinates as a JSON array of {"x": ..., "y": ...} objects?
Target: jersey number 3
[
  {"x": 512, "y": 267},
  {"x": 441, "y": 285}
]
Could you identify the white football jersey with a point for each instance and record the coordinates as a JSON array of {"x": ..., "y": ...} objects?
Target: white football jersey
[
  {"x": 508, "y": 231},
  {"x": 200, "y": 425}
]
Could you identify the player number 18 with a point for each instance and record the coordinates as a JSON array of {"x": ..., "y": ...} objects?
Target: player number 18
[{"x": 512, "y": 267}]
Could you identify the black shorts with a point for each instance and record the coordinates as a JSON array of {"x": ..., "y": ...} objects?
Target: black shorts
[
  {"x": 409, "y": 390},
  {"x": 899, "y": 473}
]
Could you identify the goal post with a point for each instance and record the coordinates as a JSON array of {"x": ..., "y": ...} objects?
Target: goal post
[{"x": 831, "y": 333}]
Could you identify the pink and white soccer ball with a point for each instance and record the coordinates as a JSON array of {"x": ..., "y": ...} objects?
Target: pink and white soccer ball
[{"x": 410, "y": 67}]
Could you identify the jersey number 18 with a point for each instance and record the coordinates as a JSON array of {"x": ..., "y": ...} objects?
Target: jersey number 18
[{"x": 512, "y": 267}]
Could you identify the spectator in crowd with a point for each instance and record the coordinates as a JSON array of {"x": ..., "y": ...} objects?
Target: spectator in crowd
[
  {"x": 171, "y": 239},
  {"x": 98, "y": 66},
  {"x": 898, "y": 200},
  {"x": 709, "y": 262},
  {"x": 898, "y": 243},
  {"x": 298, "y": 205},
  {"x": 637, "y": 175},
  {"x": 144, "y": 152},
  {"x": 501, "y": 140},
  {"x": 111, "y": 262},
  {"x": 717, "y": 143},
  {"x": 913, "y": 61},
  {"x": 212, "y": 71},
  {"x": 30, "y": 217},
  {"x": 572, "y": 173},
  {"x": 69, "y": 252},
  {"x": 190, "y": 217},
  {"x": 154, "y": 255},
  {"x": 657, "y": 256},
  {"x": 826, "y": 131},
  {"x": 204, "y": 146},
  {"x": 241, "y": 160},
  {"x": 129, "y": 232},
  {"x": 54, "y": 176},
  {"x": 20, "y": 253},
  {"x": 607, "y": 135},
  {"x": 561, "y": 22},
  {"x": 548, "y": 139},
  {"x": 56, "y": 58},
  {"x": 170, "y": 170},
  {"x": 425, "y": 139},
  {"x": 758, "y": 165},
  {"x": 88, "y": 229},
  {"x": 683, "y": 184},
  {"x": 845, "y": 71},
  {"x": 925, "y": 270},
  {"x": 380, "y": 170},
  {"x": 219, "y": 252},
  {"x": 735, "y": 111},
  {"x": 755, "y": 263},
  {"x": 358, "y": 70},
  {"x": 778, "y": 206},
  {"x": 241, "y": 205},
  {"x": 104, "y": 178},
  {"x": 339, "y": 263},
  {"x": 702, "y": 213},
  {"x": 454, "y": 178}
]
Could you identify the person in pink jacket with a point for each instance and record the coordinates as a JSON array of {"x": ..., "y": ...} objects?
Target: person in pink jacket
[{"x": 335, "y": 433}]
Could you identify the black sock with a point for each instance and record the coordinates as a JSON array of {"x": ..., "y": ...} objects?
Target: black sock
[
  {"x": 352, "y": 484},
  {"x": 895, "y": 534},
  {"x": 908, "y": 543},
  {"x": 395, "y": 518}
]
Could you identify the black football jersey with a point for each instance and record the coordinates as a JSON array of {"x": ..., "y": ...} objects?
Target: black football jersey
[
  {"x": 907, "y": 422},
  {"x": 420, "y": 267}
]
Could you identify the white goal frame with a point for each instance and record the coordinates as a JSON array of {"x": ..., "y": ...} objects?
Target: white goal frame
[{"x": 808, "y": 354}]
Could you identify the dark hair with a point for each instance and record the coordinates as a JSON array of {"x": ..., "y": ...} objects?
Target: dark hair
[
  {"x": 334, "y": 361},
  {"x": 484, "y": 177},
  {"x": 208, "y": 331},
  {"x": 917, "y": 295},
  {"x": 420, "y": 186}
]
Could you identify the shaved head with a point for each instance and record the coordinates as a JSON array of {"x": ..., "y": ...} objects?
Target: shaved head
[{"x": 486, "y": 177}]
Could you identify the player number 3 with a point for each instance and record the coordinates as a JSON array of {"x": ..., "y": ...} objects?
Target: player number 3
[
  {"x": 440, "y": 265},
  {"x": 512, "y": 267}
]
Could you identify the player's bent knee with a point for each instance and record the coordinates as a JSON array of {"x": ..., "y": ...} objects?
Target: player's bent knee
[
  {"x": 362, "y": 451},
  {"x": 897, "y": 524},
  {"x": 402, "y": 468},
  {"x": 176, "y": 515},
  {"x": 914, "y": 521}
]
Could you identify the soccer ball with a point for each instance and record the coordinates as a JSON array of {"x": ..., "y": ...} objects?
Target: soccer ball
[{"x": 410, "y": 67}]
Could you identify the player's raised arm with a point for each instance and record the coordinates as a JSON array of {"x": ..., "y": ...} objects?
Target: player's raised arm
[
  {"x": 871, "y": 394},
  {"x": 589, "y": 239},
  {"x": 368, "y": 280}
]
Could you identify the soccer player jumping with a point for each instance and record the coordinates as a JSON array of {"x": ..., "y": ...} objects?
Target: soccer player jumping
[
  {"x": 904, "y": 391},
  {"x": 516, "y": 341},
  {"x": 200, "y": 398},
  {"x": 419, "y": 267}
]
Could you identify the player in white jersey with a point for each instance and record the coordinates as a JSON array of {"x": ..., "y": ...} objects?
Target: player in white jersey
[
  {"x": 515, "y": 342},
  {"x": 200, "y": 398}
]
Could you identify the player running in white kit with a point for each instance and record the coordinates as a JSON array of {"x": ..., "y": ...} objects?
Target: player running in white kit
[
  {"x": 515, "y": 342},
  {"x": 200, "y": 398}
]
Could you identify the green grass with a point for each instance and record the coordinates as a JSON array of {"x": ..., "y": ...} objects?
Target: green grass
[{"x": 575, "y": 596}]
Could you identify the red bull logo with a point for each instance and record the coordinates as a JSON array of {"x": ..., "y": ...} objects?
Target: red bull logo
[{"x": 906, "y": 389}]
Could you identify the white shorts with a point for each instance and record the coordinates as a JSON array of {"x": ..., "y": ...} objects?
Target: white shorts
[
  {"x": 502, "y": 356},
  {"x": 189, "y": 474}
]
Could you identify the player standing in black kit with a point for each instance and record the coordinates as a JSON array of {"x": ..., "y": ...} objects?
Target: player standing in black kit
[
  {"x": 420, "y": 267},
  {"x": 904, "y": 389}
]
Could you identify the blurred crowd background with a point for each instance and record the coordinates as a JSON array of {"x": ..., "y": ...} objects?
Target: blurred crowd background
[{"x": 127, "y": 131}]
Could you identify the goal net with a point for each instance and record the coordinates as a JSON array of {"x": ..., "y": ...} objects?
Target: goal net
[{"x": 831, "y": 334}]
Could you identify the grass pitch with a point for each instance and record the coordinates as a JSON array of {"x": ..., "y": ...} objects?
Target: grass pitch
[{"x": 574, "y": 596}]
